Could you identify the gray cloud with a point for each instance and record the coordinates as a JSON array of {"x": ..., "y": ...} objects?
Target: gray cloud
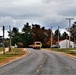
[{"x": 43, "y": 12}]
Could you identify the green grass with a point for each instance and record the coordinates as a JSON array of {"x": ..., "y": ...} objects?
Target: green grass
[
  {"x": 15, "y": 52},
  {"x": 69, "y": 51},
  {"x": 1, "y": 49},
  {"x": 5, "y": 56},
  {"x": 63, "y": 49}
]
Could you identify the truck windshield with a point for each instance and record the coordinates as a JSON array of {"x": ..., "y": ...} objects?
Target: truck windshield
[{"x": 38, "y": 43}]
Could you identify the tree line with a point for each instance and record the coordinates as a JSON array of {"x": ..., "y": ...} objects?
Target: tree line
[{"x": 34, "y": 32}]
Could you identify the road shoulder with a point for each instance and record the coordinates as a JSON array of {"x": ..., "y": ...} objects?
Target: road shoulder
[
  {"x": 12, "y": 59},
  {"x": 73, "y": 56}
]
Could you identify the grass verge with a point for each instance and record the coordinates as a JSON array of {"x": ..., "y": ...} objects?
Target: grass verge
[
  {"x": 8, "y": 56},
  {"x": 67, "y": 50},
  {"x": 1, "y": 49}
]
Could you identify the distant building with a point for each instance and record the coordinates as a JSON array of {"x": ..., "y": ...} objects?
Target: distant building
[{"x": 65, "y": 44}]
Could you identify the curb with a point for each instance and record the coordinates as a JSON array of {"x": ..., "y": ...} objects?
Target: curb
[{"x": 17, "y": 58}]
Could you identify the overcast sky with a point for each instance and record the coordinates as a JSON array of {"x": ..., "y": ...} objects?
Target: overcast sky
[{"x": 47, "y": 13}]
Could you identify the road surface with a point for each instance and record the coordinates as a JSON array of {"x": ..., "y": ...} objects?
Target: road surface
[{"x": 40, "y": 62}]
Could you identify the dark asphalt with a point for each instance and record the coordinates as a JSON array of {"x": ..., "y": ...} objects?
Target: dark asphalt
[{"x": 41, "y": 62}]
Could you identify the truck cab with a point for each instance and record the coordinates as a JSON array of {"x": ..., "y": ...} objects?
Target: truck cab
[{"x": 37, "y": 45}]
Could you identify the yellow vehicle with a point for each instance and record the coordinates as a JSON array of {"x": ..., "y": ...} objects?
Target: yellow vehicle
[{"x": 37, "y": 45}]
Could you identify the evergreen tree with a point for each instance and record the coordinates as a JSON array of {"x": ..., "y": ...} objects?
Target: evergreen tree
[
  {"x": 56, "y": 34},
  {"x": 15, "y": 35},
  {"x": 64, "y": 36},
  {"x": 73, "y": 31},
  {"x": 27, "y": 35}
]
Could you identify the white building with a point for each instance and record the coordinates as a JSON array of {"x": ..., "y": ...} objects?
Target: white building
[{"x": 65, "y": 44}]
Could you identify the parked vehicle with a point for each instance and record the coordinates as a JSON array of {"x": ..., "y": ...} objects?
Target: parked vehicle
[
  {"x": 55, "y": 46},
  {"x": 31, "y": 46}
]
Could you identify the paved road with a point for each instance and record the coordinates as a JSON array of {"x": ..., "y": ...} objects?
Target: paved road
[{"x": 41, "y": 62}]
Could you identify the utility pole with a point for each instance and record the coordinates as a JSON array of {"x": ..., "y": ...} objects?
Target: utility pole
[
  {"x": 3, "y": 40},
  {"x": 51, "y": 35},
  {"x": 69, "y": 19},
  {"x": 10, "y": 38},
  {"x": 58, "y": 35}
]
